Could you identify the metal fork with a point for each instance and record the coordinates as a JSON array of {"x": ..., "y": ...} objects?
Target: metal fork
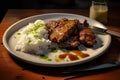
[{"x": 102, "y": 30}]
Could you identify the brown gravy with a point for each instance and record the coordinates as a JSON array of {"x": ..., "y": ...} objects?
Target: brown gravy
[{"x": 75, "y": 56}]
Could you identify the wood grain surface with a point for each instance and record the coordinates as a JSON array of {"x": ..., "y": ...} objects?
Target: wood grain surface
[{"x": 14, "y": 69}]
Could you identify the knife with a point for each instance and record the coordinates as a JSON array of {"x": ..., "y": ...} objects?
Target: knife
[
  {"x": 97, "y": 67},
  {"x": 102, "y": 30}
]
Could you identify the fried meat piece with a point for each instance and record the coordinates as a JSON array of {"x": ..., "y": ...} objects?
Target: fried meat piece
[
  {"x": 69, "y": 34},
  {"x": 63, "y": 29},
  {"x": 87, "y": 37},
  {"x": 71, "y": 43}
]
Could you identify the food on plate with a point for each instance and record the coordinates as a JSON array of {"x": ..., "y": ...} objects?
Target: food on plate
[
  {"x": 33, "y": 38},
  {"x": 71, "y": 55},
  {"x": 61, "y": 30},
  {"x": 87, "y": 37},
  {"x": 70, "y": 34},
  {"x": 71, "y": 43},
  {"x": 45, "y": 37}
]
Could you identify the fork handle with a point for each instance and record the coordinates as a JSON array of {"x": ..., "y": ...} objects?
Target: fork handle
[{"x": 117, "y": 34}]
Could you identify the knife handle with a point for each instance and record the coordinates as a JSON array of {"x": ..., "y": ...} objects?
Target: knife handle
[{"x": 117, "y": 34}]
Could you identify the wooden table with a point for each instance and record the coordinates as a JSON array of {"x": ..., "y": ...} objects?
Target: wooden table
[{"x": 13, "y": 69}]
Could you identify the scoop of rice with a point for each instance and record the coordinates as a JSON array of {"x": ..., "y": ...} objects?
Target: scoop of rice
[{"x": 33, "y": 38}]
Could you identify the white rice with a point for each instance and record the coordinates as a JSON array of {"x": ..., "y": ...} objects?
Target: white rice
[{"x": 33, "y": 38}]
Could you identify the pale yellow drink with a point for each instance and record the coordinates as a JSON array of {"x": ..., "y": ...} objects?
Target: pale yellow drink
[{"x": 99, "y": 12}]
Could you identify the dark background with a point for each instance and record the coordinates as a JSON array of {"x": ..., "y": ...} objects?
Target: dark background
[
  {"x": 37, "y": 4},
  {"x": 49, "y": 4}
]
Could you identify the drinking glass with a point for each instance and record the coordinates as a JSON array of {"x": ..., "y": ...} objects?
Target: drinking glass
[{"x": 99, "y": 11}]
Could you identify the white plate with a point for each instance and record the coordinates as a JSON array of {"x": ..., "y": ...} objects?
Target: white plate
[{"x": 93, "y": 52}]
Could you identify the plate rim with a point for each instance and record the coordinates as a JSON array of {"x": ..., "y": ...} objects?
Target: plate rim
[{"x": 50, "y": 64}]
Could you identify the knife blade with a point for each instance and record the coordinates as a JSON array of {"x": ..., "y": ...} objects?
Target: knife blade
[
  {"x": 97, "y": 67},
  {"x": 102, "y": 30}
]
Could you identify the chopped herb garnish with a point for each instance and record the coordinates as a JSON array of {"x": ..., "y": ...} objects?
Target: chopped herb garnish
[
  {"x": 54, "y": 50},
  {"x": 29, "y": 40},
  {"x": 18, "y": 33},
  {"x": 36, "y": 36},
  {"x": 49, "y": 59},
  {"x": 45, "y": 57},
  {"x": 35, "y": 27}
]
